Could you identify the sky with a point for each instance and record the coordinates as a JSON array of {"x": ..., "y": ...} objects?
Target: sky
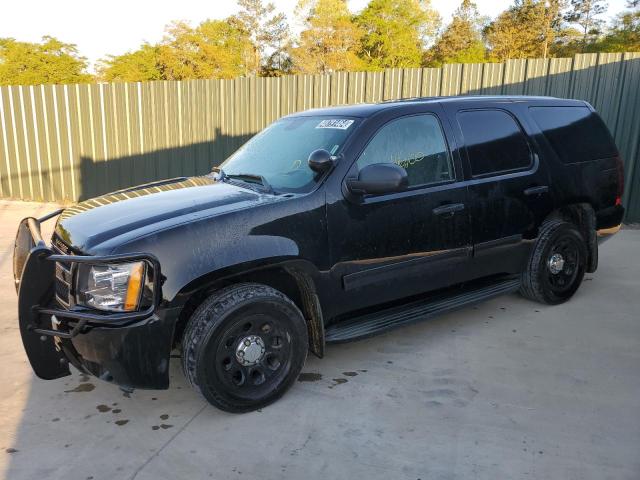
[{"x": 116, "y": 26}]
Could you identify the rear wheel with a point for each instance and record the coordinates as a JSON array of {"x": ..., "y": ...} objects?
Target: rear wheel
[
  {"x": 557, "y": 264},
  {"x": 244, "y": 346}
]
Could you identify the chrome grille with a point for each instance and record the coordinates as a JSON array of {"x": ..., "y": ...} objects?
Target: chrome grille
[{"x": 63, "y": 273}]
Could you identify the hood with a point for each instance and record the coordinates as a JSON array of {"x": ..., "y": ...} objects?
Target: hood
[{"x": 147, "y": 208}]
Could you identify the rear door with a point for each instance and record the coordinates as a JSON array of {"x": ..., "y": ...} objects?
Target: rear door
[{"x": 508, "y": 186}]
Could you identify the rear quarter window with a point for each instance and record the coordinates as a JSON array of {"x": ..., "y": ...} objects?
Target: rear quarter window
[{"x": 576, "y": 134}]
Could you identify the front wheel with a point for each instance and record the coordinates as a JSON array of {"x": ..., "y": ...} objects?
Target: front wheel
[
  {"x": 244, "y": 346},
  {"x": 557, "y": 264}
]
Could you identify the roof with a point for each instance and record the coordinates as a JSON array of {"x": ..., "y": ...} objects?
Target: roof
[{"x": 365, "y": 110}]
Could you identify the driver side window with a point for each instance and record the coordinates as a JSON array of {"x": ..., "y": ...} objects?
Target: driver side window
[{"x": 417, "y": 144}]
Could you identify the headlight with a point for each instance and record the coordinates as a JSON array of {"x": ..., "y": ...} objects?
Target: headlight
[{"x": 113, "y": 287}]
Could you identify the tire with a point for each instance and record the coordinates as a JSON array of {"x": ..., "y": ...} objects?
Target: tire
[
  {"x": 551, "y": 279},
  {"x": 263, "y": 324}
]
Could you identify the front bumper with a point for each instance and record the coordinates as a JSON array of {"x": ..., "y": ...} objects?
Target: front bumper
[{"x": 130, "y": 349}]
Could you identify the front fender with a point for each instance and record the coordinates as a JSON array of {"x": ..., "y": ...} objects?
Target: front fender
[
  {"x": 184, "y": 263},
  {"x": 242, "y": 240}
]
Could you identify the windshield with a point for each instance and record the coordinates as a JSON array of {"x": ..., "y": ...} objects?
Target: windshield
[{"x": 279, "y": 153}]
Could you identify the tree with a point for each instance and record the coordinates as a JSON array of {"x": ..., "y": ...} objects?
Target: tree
[
  {"x": 138, "y": 66},
  {"x": 624, "y": 35},
  {"x": 330, "y": 39},
  {"x": 552, "y": 23},
  {"x": 524, "y": 30},
  {"x": 48, "y": 62},
  {"x": 268, "y": 33},
  {"x": 396, "y": 31},
  {"x": 585, "y": 13},
  {"x": 214, "y": 49},
  {"x": 461, "y": 41}
]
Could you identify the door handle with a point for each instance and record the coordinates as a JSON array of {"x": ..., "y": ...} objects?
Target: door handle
[
  {"x": 449, "y": 209},
  {"x": 536, "y": 190}
]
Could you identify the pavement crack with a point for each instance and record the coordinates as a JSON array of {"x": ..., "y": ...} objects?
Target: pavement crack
[{"x": 159, "y": 451}]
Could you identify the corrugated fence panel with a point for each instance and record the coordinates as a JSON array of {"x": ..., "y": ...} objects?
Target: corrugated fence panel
[
  {"x": 584, "y": 75},
  {"x": 559, "y": 79},
  {"x": 357, "y": 87},
  {"x": 13, "y": 119},
  {"x": 627, "y": 133},
  {"x": 451, "y": 79},
  {"x": 412, "y": 83},
  {"x": 515, "y": 72},
  {"x": 608, "y": 84},
  {"x": 5, "y": 175},
  {"x": 70, "y": 142},
  {"x": 392, "y": 87},
  {"x": 375, "y": 87},
  {"x": 471, "y": 78},
  {"x": 536, "y": 76},
  {"x": 431, "y": 82}
]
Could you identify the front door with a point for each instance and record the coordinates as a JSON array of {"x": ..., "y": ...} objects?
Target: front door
[{"x": 391, "y": 246}]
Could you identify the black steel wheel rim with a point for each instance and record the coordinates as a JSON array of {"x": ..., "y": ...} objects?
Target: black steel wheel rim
[
  {"x": 262, "y": 376},
  {"x": 564, "y": 280}
]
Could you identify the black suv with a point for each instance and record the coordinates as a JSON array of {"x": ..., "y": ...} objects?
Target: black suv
[{"x": 328, "y": 226}]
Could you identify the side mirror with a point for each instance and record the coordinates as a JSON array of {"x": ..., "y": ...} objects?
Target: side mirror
[
  {"x": 320, "y": 160},
  {"x": 379, "y": 178}
]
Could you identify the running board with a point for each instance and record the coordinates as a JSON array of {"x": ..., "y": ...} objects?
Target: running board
[{"x": 377, "y": 322}]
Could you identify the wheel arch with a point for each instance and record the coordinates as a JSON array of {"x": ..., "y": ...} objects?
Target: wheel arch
[
  {"x": 583, "y": 216},
  {"x": 293, "y": 278}
]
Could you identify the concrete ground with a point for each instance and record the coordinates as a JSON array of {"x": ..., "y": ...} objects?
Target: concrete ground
[{"x": 506, "y": 390}]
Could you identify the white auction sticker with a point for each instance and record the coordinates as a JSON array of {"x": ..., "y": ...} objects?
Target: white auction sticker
[{"x": 341, "y": 124}]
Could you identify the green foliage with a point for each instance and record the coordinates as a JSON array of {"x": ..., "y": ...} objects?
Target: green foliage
[
  {"x": 527, "y": 29},
  {"x": 139, "y": 66},
  {"x": 48, "y": 62},
  {"x": 214, "y": 49},
  {"x": 330, "y": 39},
  {"x": 268, "y": 32},
  {"x": 624, "y": 35},
  {"x": 585, "y": 14},
  {"x": 385, "y": 34},
  {"x": 461, "y": 41},
  {"x": 395, "y": 32}
]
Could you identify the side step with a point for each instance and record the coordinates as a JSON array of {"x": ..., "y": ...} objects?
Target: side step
[{"x": 371, "y": 324}]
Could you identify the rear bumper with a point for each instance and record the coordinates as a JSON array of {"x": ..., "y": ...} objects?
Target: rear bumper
[
  {"x": 130, "y": 349},
  {"x": 605, "y": 234},
  {"x": 609, "y": 222}
]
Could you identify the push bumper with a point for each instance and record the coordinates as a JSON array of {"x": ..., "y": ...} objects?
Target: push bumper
[{"x": 130, "y": 349}]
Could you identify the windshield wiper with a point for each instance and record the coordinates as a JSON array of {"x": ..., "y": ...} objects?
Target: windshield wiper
[{"x": 251, "y": 178}]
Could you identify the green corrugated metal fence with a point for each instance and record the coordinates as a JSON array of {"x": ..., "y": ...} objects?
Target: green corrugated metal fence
[{"x": 70, "y": 142}]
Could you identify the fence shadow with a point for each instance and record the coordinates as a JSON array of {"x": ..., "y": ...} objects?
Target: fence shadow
[
  {"x": 607, "y": 81},
  {"x": 97, "y": 177}
]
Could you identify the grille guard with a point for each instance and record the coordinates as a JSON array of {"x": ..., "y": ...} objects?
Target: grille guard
[{"x": 33, "y": 259}]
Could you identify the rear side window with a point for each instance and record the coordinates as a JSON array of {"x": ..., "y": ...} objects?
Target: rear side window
[
  {"x": 494, "y": 142},
  {"x": 576, "y": 134}
]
